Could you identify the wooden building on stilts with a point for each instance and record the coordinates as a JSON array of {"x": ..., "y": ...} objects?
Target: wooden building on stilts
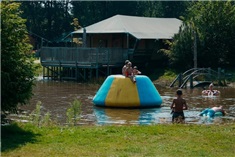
[{"x": 102, "y": 48}]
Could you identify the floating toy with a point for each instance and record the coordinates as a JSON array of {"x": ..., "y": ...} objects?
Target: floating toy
[
  {"x": 210, "y": 113},
  {"x": 120, "y": 91},
  {"x": 210, "y": 92}
]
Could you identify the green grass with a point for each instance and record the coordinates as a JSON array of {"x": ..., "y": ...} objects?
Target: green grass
[
  {"x": 163, "y": 76},
  {"x": 157, "y": 140}
]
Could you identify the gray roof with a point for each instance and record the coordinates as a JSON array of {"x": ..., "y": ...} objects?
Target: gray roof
[{"x": 139, "y": 27}]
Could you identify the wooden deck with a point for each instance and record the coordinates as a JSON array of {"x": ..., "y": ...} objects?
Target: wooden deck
[{"x": 80, "y": 63}]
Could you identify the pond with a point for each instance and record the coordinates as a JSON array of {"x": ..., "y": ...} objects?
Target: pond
[{"x": 56, "y": 97}]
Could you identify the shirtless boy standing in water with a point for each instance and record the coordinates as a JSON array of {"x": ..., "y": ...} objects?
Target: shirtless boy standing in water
[{"x": 177, "y": 106}]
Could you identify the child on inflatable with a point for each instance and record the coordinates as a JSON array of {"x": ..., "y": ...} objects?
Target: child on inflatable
[
  {"x": 124, "y": 67},
  {"x": 136, "y": 71},
  {"x": 129, "y": 72},
  {"x": 210, "y": 112},
  {"x": 211, "y": 92}
]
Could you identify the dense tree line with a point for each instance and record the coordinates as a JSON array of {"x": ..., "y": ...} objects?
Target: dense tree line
[
  {"x": 100, "y": 10},
  {"x": 47, "y": 19},
  {"x": 52, "y": 19}
]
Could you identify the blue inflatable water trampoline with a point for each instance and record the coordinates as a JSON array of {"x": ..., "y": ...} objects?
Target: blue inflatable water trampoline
[{"x": 120, "y": 91}]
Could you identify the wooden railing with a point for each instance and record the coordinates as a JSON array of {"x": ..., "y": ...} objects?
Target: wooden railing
[{"x": 84, "y": 55}]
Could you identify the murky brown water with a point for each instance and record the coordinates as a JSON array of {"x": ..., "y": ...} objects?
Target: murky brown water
[{"x": 57, "y": 96}]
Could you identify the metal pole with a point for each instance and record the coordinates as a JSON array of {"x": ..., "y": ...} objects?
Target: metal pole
[
  {"x": 195, "y": 49},
  {"x": 84, "y": 38},
  {"x": 127, "y": 41}
]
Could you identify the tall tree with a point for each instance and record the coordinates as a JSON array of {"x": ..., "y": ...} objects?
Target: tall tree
[
  {"x": 48, "y": 19},
  {"x": 214, "y": 24},
  {"x": 17, "y": 71},
  {"x": 90, "y": 12},
  {"x": 150, "y": 8},
  {"x": 174, "y": 9}
]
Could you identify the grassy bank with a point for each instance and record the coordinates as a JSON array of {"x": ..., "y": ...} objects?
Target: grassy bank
[{"x": 157, "y": 140}]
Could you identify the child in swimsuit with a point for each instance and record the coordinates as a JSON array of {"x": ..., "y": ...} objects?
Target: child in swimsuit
[
  {"x": 177, "y": 106},
  {"x": 136, "y": 71},
  {"x": 129, "y": 72},
  {"x": 125, "y": 67},
  {"x": 210, "y": 112}
]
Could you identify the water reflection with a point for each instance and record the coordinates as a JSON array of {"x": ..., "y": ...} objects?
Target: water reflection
[
  {"x": 106, "y": 116},
  {"x": 57, "y": 96}
]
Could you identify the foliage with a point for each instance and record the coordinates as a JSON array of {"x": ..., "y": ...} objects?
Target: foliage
[
  {"x": 73, "y": 113},
  {"x": 48, "y": 19},
  {"x": 214, "y": 23},
  {"x": 46, "y": 121},
  {"x": 165, "y": 78},
  {"x": 151, "y": 141},
  {"x": 37, "y": 118},
  {"x": 75, "y": 24},
  {"x": 100, "y": 10},
  {"x": 17, "y": 70},
  {"x": 36, "y": 114},
  {"x": 52, "y": 19},
  {"x": 181, "y": 52},
  {"x": 38, "y": 69}
]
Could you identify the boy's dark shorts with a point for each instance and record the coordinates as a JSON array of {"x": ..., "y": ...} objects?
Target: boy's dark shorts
[{"x": 177, "y": 114}]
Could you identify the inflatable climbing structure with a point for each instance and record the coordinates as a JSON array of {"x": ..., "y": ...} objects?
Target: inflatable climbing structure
[{"x": 120, "y": 91}]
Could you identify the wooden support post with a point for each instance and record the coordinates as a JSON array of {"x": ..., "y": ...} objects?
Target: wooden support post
[
  {"x": 110, "y": 71},
  {"x": 209, "y": 71},
  {"x": 57, "y": 72},
  {"x": 180, "y": 79},
  {"x": 97, "y": 65},
  {"x": 43, "y": 72},
  {"x": 48, "y": 73},
  {"x": 90, "y": 73},
  {"x": 84, "y": 74},
  {"x": 53, "y": 72},
  {"x": 60, "y": 71},
  {"x": 191, "y": 81},
  {"x": 76, "y": 71},
  {"x": 219, "y": 76},
  {"x": 108, "y": 63},
  {"x": 97, "y": 71}
]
